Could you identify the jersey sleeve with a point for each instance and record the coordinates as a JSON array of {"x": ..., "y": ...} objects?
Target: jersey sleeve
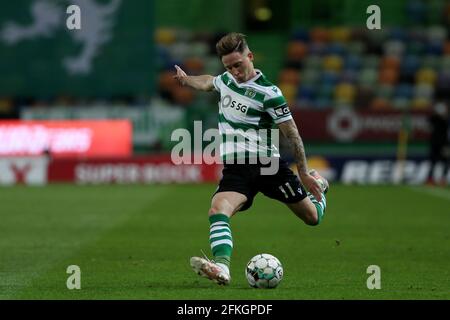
[
  {"x": 218, "y": 83},
  {"x": 276, "y": 106}
]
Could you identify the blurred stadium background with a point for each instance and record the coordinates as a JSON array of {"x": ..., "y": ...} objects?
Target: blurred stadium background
[
  {"x": 356, "y": 94},
  {"x": 98, "y": 105}
]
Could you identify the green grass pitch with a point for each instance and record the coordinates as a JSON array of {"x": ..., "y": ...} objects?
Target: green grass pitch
[{"x": 134, "y": 242}]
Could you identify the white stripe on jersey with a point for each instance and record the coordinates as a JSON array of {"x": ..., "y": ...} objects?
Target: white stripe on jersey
[{"x": 241, "y": 108}]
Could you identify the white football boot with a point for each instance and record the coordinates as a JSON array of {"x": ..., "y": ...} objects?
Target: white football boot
[{"x": 209, "y": 269}]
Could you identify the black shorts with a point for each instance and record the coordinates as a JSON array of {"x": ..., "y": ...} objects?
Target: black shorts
[{"x": 247, "y": 179}]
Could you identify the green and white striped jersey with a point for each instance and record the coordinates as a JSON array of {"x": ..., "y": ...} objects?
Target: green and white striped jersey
[{"x": 247, "y": 112}]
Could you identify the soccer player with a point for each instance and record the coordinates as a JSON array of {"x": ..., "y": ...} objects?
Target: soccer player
[{"x": 248, "y": 103}]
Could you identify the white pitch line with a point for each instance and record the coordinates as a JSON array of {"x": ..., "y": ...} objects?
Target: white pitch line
[{"x": 434, "y": 191}]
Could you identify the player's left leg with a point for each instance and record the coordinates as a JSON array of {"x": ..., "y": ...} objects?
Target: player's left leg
[{"x": 223, "y": 206}]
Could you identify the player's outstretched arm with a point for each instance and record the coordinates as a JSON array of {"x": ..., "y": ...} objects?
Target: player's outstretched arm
[
  {"x": 290, "y": 132},
  {"x": 203, "y": 82}
]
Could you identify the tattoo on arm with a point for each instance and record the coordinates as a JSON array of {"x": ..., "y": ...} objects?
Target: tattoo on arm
[{"x": 290, "y": 131}]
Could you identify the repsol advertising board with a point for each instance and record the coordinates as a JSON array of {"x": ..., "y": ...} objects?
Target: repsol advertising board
[{"x": 380, "y": 170}]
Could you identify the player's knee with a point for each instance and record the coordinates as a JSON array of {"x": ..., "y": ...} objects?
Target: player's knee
[
  {"x": 313, "y": 222},
  {"x": 214, "y": 210},
  {"x": 311, "y": 218},
  {"x": 219, "y": 207}
]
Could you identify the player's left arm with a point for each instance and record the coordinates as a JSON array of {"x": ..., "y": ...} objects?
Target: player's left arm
[{"x": 290, "y": 132}]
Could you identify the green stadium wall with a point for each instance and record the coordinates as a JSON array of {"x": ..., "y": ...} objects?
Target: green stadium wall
[{"x": 35, "y": 66}]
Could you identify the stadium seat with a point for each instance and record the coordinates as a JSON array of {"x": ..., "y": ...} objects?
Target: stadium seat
[
  {"x": 443, "y": 81},
  {"x": 416, "y": 47},
  {"x": 300, "y": 34},
  {"x": 345, "y": 93},
  {"x": 313, "y": 62},
  {"x": 368, "y": 77},
  {"x": 306, "y": 92},
  {"x": 336, "y": 49},
  {"x": 353, "y": 62},
  {"x": 423, "y": 90},
  {"x": 199, "y": 49},
  {"x": 317, "y": 48},
  {"x": 183, "y": 96},
  {"x": 385, "y": 91},
  {"x": 290, "y": 76},
  {"x": 444, "y": 63},
  {"x": 446, "y": 49},
  {"x": 394, "y": 48},
  {"x": 396, "y": 34},
  {"x": 289, "y": 92},
  {"x": 349, "y": 76},
  {"x": 380, "y": 104},
  {"x": 390, "y": 62},
  {"x": 332, "y": 63},
  {"x": 330, "y": 78},
  {"x": 194, "y": 66},
  {"x": 179, "y": 50},
  {"x": 340, "y": 34},
  {"x": 165, "y": 36},
  {"x": 319, "y": 34},
  {"x": 371, "y": 61},
  {"x": 364, "y": 96},
  {"x": 436, "y": 34},
  {"x": 296, "y": 51},
  {"x": 401, "y": 103},
  {"x": 434, "y": 48},
  {"x": 404, "y": 90},
  {"x": 356, "y": 47},
  {"x": 388, "y": 76},
  {"x": 212, "y": 65},
  {"x": 166, "y": 80},
  {"x": 310, "y": 76},
  {"x": 410, "y": 64},
  {"x": 426, "y": 75},
  {"x": 421, "y": 104},
  {"x": 323, "y": 102}
]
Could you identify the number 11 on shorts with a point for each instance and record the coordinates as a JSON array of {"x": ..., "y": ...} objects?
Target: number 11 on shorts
[{"x": 289, "y": 189}]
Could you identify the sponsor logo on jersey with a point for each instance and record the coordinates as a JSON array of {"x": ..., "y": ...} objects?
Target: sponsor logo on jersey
[
  {"x": 282, "y": 111},
  {"x": 227, "y": 101}
]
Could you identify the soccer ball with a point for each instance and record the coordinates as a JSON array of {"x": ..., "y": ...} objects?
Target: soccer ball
[{"x": 264, "y": 271}]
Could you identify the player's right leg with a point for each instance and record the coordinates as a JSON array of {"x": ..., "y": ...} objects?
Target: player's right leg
[
  {"x": 223, "y": 206},
  {"x": 286, "y": 187},
  {"x": 310, "y": 210}
]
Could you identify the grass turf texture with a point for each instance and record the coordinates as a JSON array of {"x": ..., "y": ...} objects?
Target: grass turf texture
[{"x": 134, "y": 242}]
